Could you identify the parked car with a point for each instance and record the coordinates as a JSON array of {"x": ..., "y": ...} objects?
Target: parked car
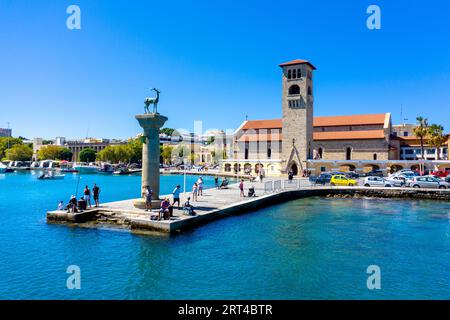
[
  {"x": 342, "y": 180},
  {"x": 333, "y": 173},
  {"x": 323, "y": 179},
  {"x": 397, "y": 181},
  {"x": 376, "y": 182},
  {"x": 352, "y": 175},
  {"x": 441, "y": 173},
  {"x": 406, "y": 171},
  {"x": 374, "y": 173},
  {"x": 382, "y": 182},
  {"x": 429, "y": 182},
  {"x": 407, "y": 176}
]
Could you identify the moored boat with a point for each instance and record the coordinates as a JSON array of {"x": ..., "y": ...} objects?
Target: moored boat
[
  {"x": 5, "y": 169},
  {"x": 86, "y": 168},
  {"x": 51, "y": 176}
]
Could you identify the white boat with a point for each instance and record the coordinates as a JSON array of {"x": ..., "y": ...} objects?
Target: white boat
[
  {"x": 3, "y": 168},
  {"x": 51, "y": 176},
  {"x": 86, "y": 168}
]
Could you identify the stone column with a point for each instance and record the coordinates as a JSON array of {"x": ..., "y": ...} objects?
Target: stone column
[{"x": 151, "y": 123}]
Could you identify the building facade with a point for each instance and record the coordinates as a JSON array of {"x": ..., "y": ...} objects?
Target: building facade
[
  {"x": 76, "y": 146},
  {"x": 301, "y": 143},
  {"x": 4, "y": 132}
]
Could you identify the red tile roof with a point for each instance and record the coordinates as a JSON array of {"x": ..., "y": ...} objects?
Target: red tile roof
[
  {"x": 353, "y": 120},
  {"x": 327, "y": 121},
  {"x": 262, "y": 124},
  {"x": 297, "y": 61}
]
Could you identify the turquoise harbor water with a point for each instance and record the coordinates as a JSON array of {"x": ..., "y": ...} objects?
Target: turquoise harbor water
[{"x": 305, "y": 249}]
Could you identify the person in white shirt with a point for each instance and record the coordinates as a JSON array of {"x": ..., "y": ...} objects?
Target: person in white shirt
[{"x": 200, "y": 186}]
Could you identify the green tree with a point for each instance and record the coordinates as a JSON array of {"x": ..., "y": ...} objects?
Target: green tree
[
  {"x": 166, "y": 154},
  {"x": 123, "y": 153},
  {"x": 116, "y": 154},
  {"x": 107, "y": 154},
  {"x": 19, "y": 152},
  {"x": 168, "y": 131},
  {"x": 52, "y": 152},
  {"x": 66, "y": 154},
  {"x": 8, "y": 142},
  {"x": 87, "y": 155},
  {"x": 421, "y": 132},
  {"x": 437, "y": 137},
  {"x": 135, "y": 146}
]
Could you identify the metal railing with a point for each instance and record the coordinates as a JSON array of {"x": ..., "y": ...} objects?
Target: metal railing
[
  {"x": 283, "y": 185},
  {"x": 268, "y": 187}
]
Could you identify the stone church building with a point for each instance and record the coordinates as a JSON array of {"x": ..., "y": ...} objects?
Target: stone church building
[{"x": 301, "y": 142}]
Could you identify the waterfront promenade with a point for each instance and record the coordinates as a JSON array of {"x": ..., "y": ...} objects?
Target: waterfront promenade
[
  {"x": 218, "y": 203},
  {"x": 214, "y": 201}
]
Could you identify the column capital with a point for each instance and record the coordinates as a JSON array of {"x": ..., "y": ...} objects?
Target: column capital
[{"x": 151, "y": 120}]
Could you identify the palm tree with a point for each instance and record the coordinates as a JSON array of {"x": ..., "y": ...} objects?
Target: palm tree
[
  {"x": 437, "y": 137},
  {"x": 421, "y": 132}
]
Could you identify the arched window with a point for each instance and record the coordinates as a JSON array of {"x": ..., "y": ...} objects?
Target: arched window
[
  {"x": 294, "y": 74},
  {"x": 375, "y": 156},
  {"x": 289, "y": 76},
  {"x": 309, "y": 91},
  {"x": 320, "y": 153},
  {"x": 294, "y": 89},
  {"x": 348, "y": 154},
  {"x": 299, "y": 73}
]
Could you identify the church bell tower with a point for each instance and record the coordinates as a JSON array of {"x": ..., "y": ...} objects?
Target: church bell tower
[{"x": 298, "y": 114}]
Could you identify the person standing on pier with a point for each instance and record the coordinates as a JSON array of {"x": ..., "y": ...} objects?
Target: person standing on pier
[
  {"x": 200, "y": 186},
  {"x": 290, "y": 175},
  {"x": 194, "y": 191},
  {"x": 148, "y": 193},
  {"x": 96, "y": 193},
  {"x": 216, "y": 182},
  {"x": 87, "y": 196},
  {"x": 241, "y": 188},
  {"x": 176, "y": 196}
]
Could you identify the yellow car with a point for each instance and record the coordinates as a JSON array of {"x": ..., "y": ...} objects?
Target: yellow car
[{"x": 341, "y": 180}]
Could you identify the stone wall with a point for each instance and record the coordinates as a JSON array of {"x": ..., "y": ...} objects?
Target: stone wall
[{"x": 361, "y": 149}]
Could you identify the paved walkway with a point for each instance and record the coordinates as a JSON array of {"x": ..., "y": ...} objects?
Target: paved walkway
[
  {"x": 212, "y": 199},
  {"x": 213, "y": 203}
]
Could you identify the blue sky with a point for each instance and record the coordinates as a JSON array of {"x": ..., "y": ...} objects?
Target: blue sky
[{"x": 215, "y": 61}]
